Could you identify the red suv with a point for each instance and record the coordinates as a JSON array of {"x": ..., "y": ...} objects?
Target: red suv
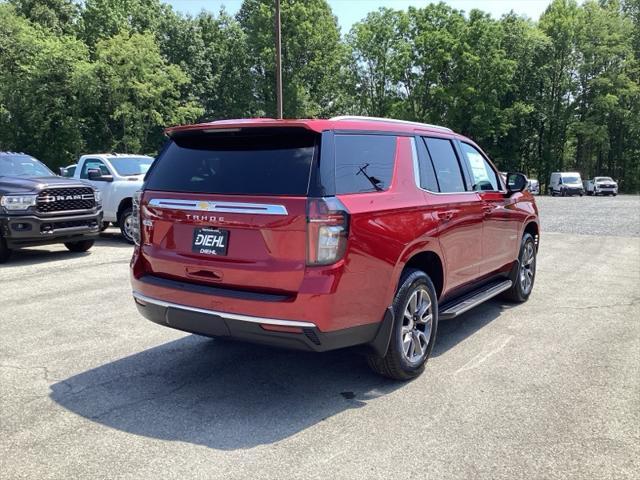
[{"x": 324, "y": 234}]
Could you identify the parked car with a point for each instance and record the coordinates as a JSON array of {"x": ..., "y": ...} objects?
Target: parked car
[
  {"x": 324, "y": 234},
  {"x": 117, "y": 176},
  {"x": 68, "y": 171},
  {"x": 601, "y": 186},
  {"x": 566, "y": 184},
  {"x": 534, "y": 186},
  {"x": 38, "y": 207}
]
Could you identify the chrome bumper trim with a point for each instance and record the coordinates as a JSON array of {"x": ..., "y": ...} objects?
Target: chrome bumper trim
[{"x": 231, "y": 316}]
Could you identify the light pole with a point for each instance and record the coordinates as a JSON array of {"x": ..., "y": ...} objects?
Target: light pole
[{"x": 278, "y": 64}]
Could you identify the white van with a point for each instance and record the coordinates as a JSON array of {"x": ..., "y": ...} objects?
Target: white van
[{"x": 565, "y": 184}]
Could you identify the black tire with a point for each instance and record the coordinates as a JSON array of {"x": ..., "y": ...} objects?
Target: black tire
[
  {"x": 395, "y": 364},
  {"x": 521, "y": 290},
  {"x": 104, "y": 226},
  {"x": 5, "y": 252},
  {"x": 81, "y": 246},
  {"x": 127, "y": 213}
]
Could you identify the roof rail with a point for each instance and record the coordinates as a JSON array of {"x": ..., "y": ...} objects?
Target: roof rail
[{"x": 391, "y": 120}]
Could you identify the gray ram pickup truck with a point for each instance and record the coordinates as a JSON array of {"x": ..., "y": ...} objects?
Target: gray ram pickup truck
[{"x": 38, "y": 207}]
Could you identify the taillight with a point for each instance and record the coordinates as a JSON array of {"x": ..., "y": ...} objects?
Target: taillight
[
  {"x": 135, "y": 214},
  {"x": 327, "y": 230}
]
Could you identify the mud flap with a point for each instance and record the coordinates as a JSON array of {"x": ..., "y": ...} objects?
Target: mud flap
[{"x": 380, "y": 344}]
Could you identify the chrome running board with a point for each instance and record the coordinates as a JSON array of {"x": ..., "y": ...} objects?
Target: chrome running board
[{"x": 467, "y": 302}]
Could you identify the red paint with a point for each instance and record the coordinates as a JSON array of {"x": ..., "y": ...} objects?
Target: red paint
[{"x": 473, "y": 233}]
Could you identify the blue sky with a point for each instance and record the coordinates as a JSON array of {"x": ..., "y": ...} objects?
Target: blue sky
[{"x": 350, "y": 11}]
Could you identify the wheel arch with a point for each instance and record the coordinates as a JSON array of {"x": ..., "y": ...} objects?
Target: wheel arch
[
  {"x": 431, "y": 263},
  {"x": 531, "y": 226},
  {"x": 124, "y": 204}
]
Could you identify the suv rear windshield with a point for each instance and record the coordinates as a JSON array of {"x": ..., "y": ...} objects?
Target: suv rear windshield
[{"x": 247, "y": 162}]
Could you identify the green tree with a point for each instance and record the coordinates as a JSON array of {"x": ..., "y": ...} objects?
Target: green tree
[
  {"x": 435, "y": 34},
  {"x": 559, "y": 23},
  {"x": 377, "y": 49},
  {"x": 40, "y": 89},
  {"x": 605, "y": 90},
  {"x": 520, "y": 148},
  {"x": 132, "y": 94},
  {"x": 213, "y": 52},
  {"x": 60, "y": 16},
  {"x": 311, "y": 56},
  {"x": 103, "y": 19}
]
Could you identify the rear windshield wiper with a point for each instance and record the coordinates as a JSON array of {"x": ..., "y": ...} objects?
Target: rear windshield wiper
[{"x": 373, "y": 180}]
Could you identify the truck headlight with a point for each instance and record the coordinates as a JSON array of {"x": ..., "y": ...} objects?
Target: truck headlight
[
  {"x": 98, "y": 196},
  {"x": 18, "y": 202}
]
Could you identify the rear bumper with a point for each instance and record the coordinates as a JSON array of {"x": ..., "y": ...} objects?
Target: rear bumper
[
  {"x": 293, "y": 334},
  {"x": 30, "y": 230}
]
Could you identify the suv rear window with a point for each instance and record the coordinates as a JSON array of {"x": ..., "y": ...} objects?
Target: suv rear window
[
  {"x": 247, "y": 162},
  {"x": 364, "y": 163}
]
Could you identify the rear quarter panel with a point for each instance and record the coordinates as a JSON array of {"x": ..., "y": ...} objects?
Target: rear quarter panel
[{"x": 386, "y": 229}]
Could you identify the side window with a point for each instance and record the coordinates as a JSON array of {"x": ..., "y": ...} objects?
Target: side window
[
  {"x": 482, "y": 175},
  {"x": 364, "y": 163},
  {"x": 427, "y": 174},
  {"x": 93, "y": 164},
  {"x": 446, "y": 164}
]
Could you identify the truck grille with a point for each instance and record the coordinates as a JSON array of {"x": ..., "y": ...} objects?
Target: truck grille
[{"x": 63, "y": 199}]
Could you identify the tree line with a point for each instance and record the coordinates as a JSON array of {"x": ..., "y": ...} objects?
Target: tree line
[{"x": 562, "y": 93}]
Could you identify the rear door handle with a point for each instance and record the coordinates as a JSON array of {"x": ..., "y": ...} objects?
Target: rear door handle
[{"x": 445, "y": 216}]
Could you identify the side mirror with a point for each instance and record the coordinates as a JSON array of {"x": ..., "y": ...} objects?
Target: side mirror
[
  {"x": 96, "y": 175},
  {"x": 63, "y": 172},
  {"x": 516, "y": 182}
]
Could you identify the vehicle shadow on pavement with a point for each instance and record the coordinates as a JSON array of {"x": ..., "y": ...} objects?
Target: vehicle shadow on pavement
[
  {"x": 227, "y": 395},
  {"x": 113, "y": 238},
  {"x": 223, "y": 395},
  {"x": 32, "y": 256},
  {"x": 57, "y": 252},
  {"x": 451, "y": 332}
]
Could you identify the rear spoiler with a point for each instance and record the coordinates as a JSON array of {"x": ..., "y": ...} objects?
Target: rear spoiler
[{"x": 235, "y": 126}]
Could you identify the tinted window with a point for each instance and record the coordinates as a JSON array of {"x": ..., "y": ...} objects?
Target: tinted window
[
  {"x": 446, "y": 165},
  {"x": 482, "y": 175},
  {"x": 261, "y": 162},
  {"x": 93, "y": 164},
  {"x": 364, "y": 163},
  {"x": 427, "y": 173}
]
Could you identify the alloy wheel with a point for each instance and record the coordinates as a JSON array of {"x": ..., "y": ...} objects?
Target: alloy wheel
[
  {"x": 128, "y": 227},
  {"x": 417, "y": 323},
  {"x": 527, "y": 267}
]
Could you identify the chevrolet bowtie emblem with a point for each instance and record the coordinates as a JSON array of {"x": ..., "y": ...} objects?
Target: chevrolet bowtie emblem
[{"x": 203, "y": 205}]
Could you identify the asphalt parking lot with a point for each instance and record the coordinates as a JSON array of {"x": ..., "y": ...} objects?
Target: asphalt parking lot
[{"x": 547, "y": 389}]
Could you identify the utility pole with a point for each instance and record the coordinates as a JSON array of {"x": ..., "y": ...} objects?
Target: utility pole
[{"x": 278, "y": 64}]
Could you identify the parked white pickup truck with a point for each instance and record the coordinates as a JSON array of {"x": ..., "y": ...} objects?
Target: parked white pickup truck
[
  {"x": 118, "y": 176},
  {"x": 601, "y": 186}
]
